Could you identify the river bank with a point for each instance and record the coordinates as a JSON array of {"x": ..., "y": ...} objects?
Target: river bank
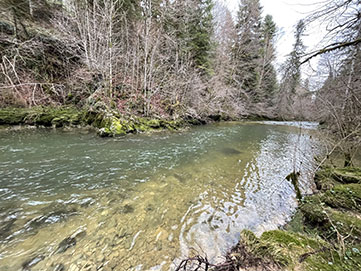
[
  {"x": 105, "y": 122},
  {"x": 324, "y": 234}
]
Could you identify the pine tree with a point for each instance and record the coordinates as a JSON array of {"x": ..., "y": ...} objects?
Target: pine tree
[
  {"x": 292, "y": 68},
  {"x": 267, "y": 81},
  {"x": 191, "y": 24},
  {"x": 291, "y": 79},
  {"x": 201, "y": 30},
  {"x": 248, "y": 46}
]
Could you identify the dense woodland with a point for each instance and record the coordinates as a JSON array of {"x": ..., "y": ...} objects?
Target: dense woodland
[{"x": 180, "y": 59}]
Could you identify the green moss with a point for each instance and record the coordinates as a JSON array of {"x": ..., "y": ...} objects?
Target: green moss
[
  {"x": 44, "y": 116},
  {"x": 108, "y": 123},
  {"x": 332, "y": 260},
  {"x": 296, "y": 224},
  {"x": 324, "y": 234},
  {"x": 153, "y": 123},
  {"x": 327, "y": 178},
  {"x": 347, "y": 175},
  {"x": 329, "y": 223},
  {"x": 279, "y": 247},
  {"x": 324, "y": 180},
  {"x": 112, "y": 126},
  {"x": 347, "y": 196},
  {"x": 12, "y": 116}
]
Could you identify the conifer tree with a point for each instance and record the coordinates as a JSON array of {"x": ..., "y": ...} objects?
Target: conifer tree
[
  {"x": 291, "y": 79},
  {"x": 247, "y": 47},
  {"x": 190, "y": 23},
  {"x": 201, "y": 31},
  {"x": 267, "y": 81},
  {"x": 292, "y": 68}
]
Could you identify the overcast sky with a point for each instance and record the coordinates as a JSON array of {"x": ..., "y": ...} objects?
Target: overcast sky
[{"x": 286, "y": 14}]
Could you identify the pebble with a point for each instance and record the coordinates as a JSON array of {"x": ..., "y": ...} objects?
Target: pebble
[
  {"x": 59, "y": 267},
  {"x": 73, "y": 267}
]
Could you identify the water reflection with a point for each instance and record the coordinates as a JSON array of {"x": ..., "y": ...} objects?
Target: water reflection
[{"x": 143, "y": 202}]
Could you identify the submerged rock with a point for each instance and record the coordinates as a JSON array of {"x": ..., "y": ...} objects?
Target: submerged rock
[
  {"x": 26, "y": 266},
  {"x": 50, "y": 218},
  {"x": 230, "y": 151},
  {"x": 6, "y": 228},
  {"x": 59, "y": 267},
  {"x": 126, "y": 209},
  {"x": 66, "y": 244}
]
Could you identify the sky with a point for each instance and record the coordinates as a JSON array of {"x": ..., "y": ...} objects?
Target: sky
[{"x": 286, "y": 14}]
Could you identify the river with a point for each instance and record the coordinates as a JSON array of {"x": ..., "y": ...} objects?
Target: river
[{"x": 70, "y": 200}]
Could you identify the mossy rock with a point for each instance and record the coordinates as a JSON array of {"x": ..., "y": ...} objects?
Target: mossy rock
[
  {"x": 12, "y": 116},
  {"x": 44, "y": 116},
  {"x": 154, "y": 123},
  {"x": 328, "y": 223},
  {"x": 282, "y": 250},
  {"x": 335, "y": 260},
  {"x": 274, "y": 249},
  {"x": 324, "y": 180},
  {"x": 139, "y": 127},
  {"x": 347, "y": 175},
  {"x": 112, "y": 126},
  {"x": 108, "y": 123},
  {"x": 346, "y": 196},
  {"x": 173, "y": 124},
  {"x": 60, "y": 121},
  {"x": 327, "y": 178}
]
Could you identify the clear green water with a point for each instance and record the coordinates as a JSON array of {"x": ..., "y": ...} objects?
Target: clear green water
[{"x": 143, "y": 202}]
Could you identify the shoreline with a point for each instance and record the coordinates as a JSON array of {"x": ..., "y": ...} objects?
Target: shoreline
[
  {"x": 323, "y": 234},
  {"x": 106, "y": 123}
]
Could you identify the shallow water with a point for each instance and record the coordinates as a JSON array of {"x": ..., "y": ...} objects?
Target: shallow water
[{"x": 75, "y": 201}]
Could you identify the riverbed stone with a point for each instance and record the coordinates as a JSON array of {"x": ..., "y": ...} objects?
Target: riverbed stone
[
  {"x": 73, "y": 267},
  {"x": 59, "y": 267},
  {"x": 6, "y": 228},
  {"x": 27, "y": 265},
  {"x": 66, "y": 244},
  {"x": 230, "y": 151},
  {"x": 126, "y": 209}
]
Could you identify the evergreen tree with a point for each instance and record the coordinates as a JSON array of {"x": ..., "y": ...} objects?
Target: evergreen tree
[
  {"x": 292, "y": 69},
  {"x": 190, "y": 23},
  {"x": 291, "y": 79},
  {"x": 201, "y": 31},
  {"x": 267, "y": 81},
  {"x": 248, "y": 46}
]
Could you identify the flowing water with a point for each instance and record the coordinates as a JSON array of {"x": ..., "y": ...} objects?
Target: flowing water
[{"x": 70, "y": 200}]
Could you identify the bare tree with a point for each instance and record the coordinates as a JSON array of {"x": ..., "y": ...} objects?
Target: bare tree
[{"x": 338, "y": 101}]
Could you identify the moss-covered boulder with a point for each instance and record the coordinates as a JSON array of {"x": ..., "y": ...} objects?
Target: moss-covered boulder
[
  {"x": 330, "y": 223},
  {"x": 274, "y": 250},
  {"x": 347, "y": 175},
  {"x": 345, "y": 196},
  {"x": 12, "y": 116},
  {"x": 324, "y": 180},
  {"x": 112, "y": 126},
  {"x": 42, "y": 116},
  {"x": 327, "y": 178},
  {"x": 334, "y": 260}
]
